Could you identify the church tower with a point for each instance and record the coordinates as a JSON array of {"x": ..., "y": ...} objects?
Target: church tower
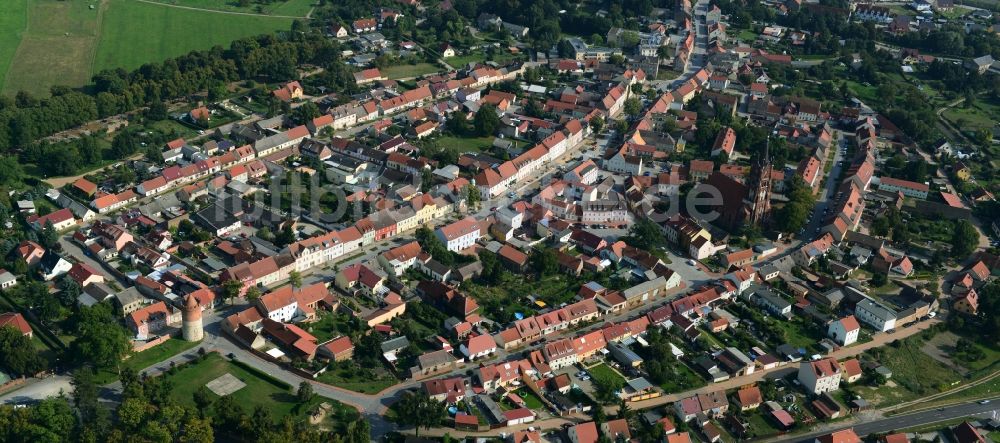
[
  {"x": 191, "y": 327},
  {"x": 759, "y": 188}
]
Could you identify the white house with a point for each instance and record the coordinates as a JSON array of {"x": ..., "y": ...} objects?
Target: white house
[
  {"x": 875, "y": 314},
  {"x": 820, "y": 376},
  {"x": 460, "y": 235},
  {"x": 844, "y": 331}
]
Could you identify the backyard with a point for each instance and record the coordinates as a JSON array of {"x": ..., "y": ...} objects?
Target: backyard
[{"x": 511, "y": 295}]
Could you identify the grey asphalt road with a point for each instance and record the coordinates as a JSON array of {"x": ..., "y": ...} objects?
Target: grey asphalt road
[{"x": 898, "y": 422}]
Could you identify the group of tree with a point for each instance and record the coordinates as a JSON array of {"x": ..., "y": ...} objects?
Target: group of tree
[{"x": 794, "y": 215}]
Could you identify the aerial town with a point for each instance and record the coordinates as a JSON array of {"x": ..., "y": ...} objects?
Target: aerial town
[{"x": 514, "y": 221}]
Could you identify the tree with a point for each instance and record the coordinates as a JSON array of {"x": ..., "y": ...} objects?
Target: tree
[
  {"x": 645, "y": 234},
  {"x": 305, "y": 113},
  {"x": 124, "y": 144},
  {"x": 157, "y": 111},
  {"x": 101, "y": 340},
  {"x": 17, "y": 354},
  {"x": 231, "y": 289},
  {"x": 632, "y": 107},
  {"x": 305, "y": 392},
  {"x": 964, "y": 239},
  {"x": 473, "y": 195},
  {"x": 544, "y": 261},
  {"x": 197, "y": 430},
  {"x": 10, "y": 171},
  {"x": 48, "y": 237},
  {"x": 486, "y": 121},
  {"x": 419, "y": 410},
  {"x": 295, "y": 279},
  {"x": 597, "y": 124},
  {"x": 358, "y": 431},
  {"x": 202, "y": 398},
  {"x": 253, "y": 293},
  {"x": 879, "y": 279},
  {"x": 621, "y": 126}
]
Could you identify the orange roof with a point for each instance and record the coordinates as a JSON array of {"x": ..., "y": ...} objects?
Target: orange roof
[
  {"x": 15, "y": 320},
  {"x": 852, "y": 367}
]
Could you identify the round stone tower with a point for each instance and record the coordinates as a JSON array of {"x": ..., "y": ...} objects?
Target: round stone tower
[{"x": 191, "y": 327}]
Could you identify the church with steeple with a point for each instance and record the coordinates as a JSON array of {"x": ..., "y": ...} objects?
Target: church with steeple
[
  {"x": 758, "y": 200},
  {"x": 746, "y": 203}
]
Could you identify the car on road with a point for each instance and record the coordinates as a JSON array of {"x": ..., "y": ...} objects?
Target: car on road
[
  {"x": 984, "y": 402},
  {"x": 692, "y": 262}
]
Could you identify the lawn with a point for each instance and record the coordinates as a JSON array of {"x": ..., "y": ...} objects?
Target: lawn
[
  {"x": 605, "y": 371},
  {"x": 12, "y": 24},
  {"x": 530, "y": 399},
  {"x": 296, "y": 8},
  {"x": 147, "y": 358},
  {"x": 259, "y": 391},
  {"x": 397, "y": 72},
  {"x": 134, "y": 33},
  {"x": 466, "y": 144},
  {"x": 350, "y": 376}
]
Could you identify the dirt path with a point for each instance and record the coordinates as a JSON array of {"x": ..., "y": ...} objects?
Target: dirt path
[{"x": 192, "y": 8}]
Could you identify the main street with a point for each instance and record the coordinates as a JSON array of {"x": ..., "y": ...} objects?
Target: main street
[{"x": 976, "y": 409}]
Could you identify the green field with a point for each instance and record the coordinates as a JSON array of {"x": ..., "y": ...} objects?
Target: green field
[
  {"x": 52, "y": 42},
  {"x": 12, "y": 24},
  {"x": 293, "y": 8},
  {"x": 396, "y": 72},
  {"x": 134, "y": 33}
]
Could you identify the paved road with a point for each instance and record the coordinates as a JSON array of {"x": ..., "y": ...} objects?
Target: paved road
[
  {"x": 825, "y": 198},
  {"x": 898, "y": 422}
]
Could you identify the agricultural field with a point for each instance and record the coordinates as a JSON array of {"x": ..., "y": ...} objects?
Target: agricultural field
[
  {"x": 135, "y": 33},
  {"x": 12, "y": 24},
  {"x": 290, "y": 8},
  {"x": 51, "y": 42}
]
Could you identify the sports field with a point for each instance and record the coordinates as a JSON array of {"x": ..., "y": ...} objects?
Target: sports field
[{"x": 54, "y": 42}]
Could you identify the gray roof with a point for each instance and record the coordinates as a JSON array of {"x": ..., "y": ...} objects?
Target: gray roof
[
  {"x": 639, "y": 384},
  {"x": 394, "y": 344},
  {"x": 129, "y": 296}
]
